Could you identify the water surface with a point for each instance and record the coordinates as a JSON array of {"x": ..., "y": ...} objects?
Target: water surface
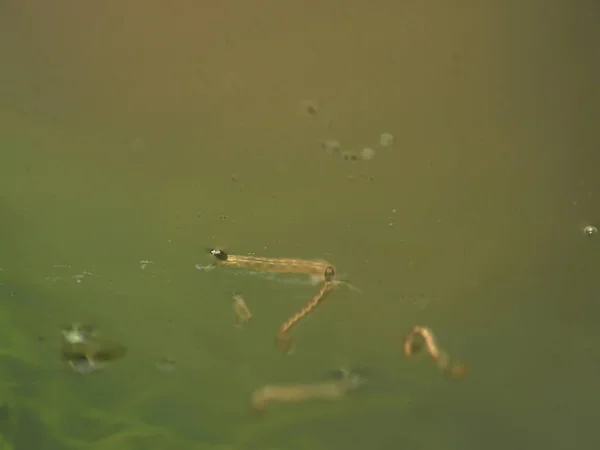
[{"x": 134, "y": 133}]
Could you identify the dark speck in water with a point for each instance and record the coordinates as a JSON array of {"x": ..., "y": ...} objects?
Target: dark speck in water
[{"x": 166, "y": 364}]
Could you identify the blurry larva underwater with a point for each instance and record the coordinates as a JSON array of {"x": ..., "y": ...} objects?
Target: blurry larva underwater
[{"x": 86, "y": 352}]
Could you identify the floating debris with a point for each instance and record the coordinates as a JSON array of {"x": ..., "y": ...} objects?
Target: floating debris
[
  {"x": 310, "y": 107},
  {"x": 331, "y": 146},
  {"x": 349, "y": 156},
  {"x": 85, "y": 352},
  {"x": 590, "y": 230},
  {"x": 145, "y": 263},
  {"x": 386, "y": 139},
  {"x": 77, "y": 333},
  {"x": 79, "y": 277},
  {"x": 367, "y": 154},
  {"x": 241, "y": 310},
  {"x": 165, "y": 364}
]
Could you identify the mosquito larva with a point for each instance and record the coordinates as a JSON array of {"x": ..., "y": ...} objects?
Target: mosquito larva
[
  {"x": 421, "y": 338},
  {"x": 318, "y": 270},
  {"x": 313, "y": 267},
  {"x": 284, "y": 340},
  {"x": 241, "y": 311},
  {"x": 329, "y": 390}
]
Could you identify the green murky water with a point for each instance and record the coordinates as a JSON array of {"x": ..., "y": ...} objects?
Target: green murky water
[{"x": 133, "y": 133}]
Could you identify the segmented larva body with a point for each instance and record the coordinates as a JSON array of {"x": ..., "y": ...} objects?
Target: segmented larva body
[
  {"x": 284, "y": 340},
  {"x": 322, "y": 271},
  {"x": 315, "y": 268},
  {"x": 329, "y": 390}
]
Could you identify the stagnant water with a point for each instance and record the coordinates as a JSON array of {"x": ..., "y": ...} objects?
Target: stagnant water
[{"x": 134, "y": 138}]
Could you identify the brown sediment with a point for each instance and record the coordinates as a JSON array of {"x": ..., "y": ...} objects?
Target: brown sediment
[
  {"x": 421, "y": 338},
  {"x": 330, "y": 390}
]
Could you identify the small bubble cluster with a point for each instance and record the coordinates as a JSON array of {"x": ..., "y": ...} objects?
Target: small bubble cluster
[
  {"x": 367, "y": 154},
  {"x": 386, "y": 139},
  {"x": 333, "y": 146}
]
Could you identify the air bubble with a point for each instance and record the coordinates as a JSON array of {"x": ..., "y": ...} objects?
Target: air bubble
[
  {"x": 590, "y": 230},
  {"x": 331, "y": 145},
  {"x": 367, "y": 154},
  {"x": 386, "y": 139}
]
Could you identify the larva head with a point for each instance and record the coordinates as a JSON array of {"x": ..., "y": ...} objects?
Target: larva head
[
  {"x": 220, "y": 255},
  {"x": 329, "y": 274}
]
